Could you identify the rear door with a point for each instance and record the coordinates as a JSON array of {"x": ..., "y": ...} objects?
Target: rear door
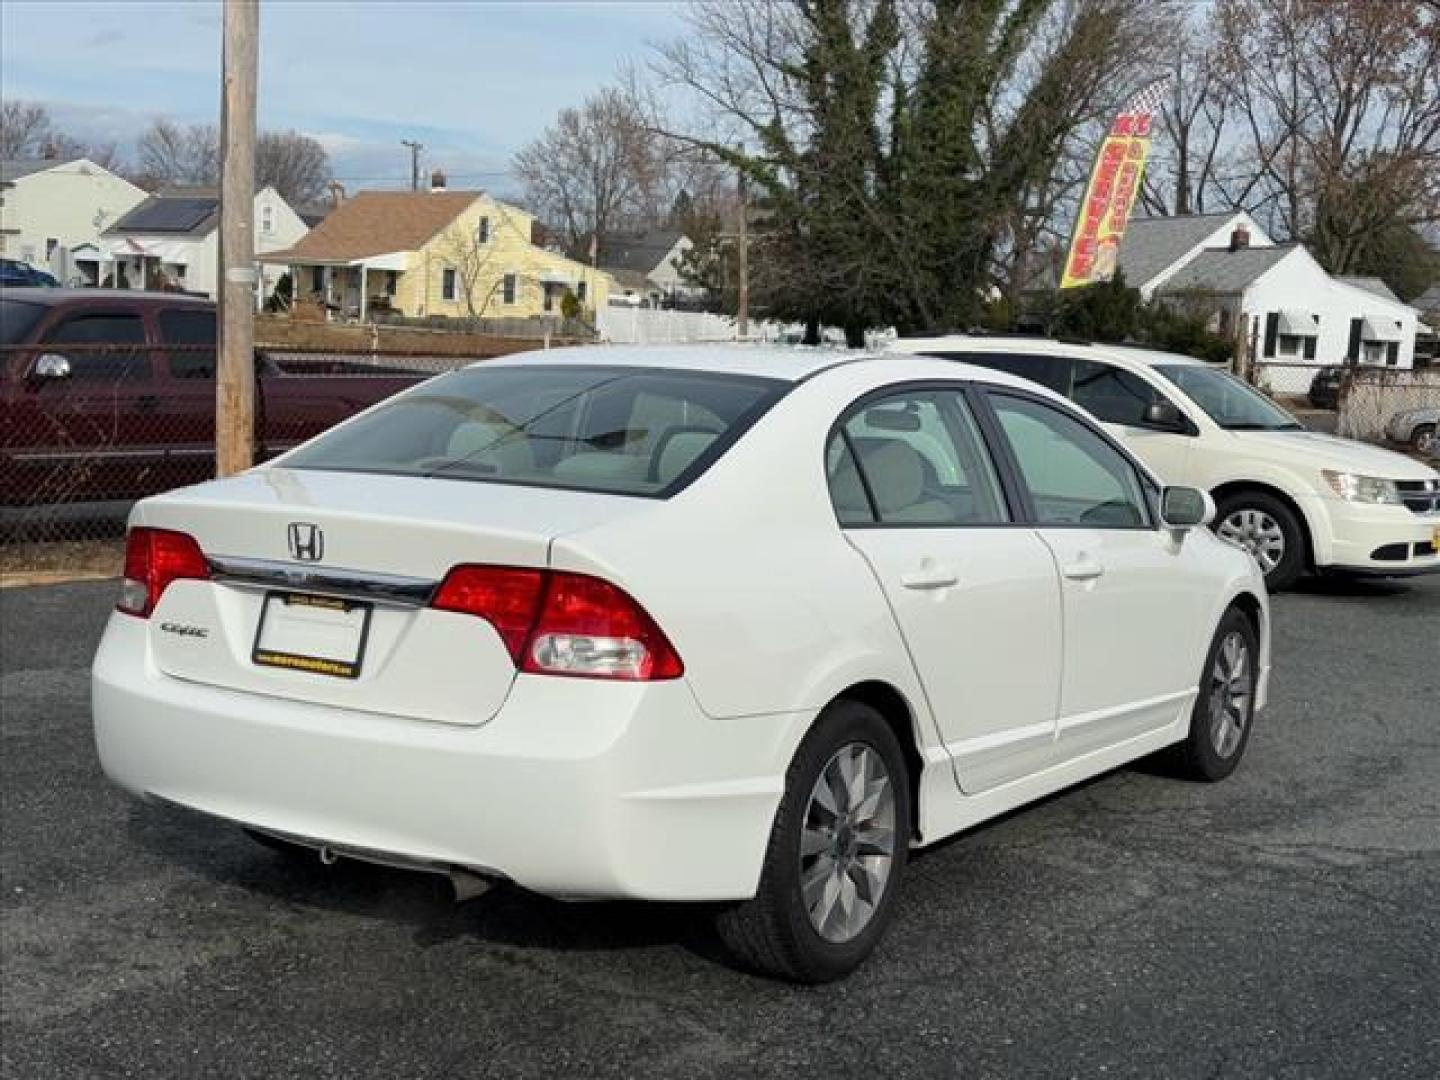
[
  {"x": 188, "y": 411},
  {"x": 1132, "y": 602},
  {"x": 975, "y": 593}
]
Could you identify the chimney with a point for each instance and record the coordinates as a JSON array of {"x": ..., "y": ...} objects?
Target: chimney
[
  {"x": 437, "y": 181},
  {"x": 1239, "y": 238},
  {"x": 337, "y": 194}
]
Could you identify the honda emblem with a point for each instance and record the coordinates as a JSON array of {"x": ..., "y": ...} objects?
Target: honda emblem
[{"x": 307, "y": 542}]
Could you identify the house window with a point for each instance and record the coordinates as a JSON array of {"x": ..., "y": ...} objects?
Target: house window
[
  {"x": 1374, "y": 352},
  {"x": 508, "y": 294},
  {"x": 447, "y": 284},
  {"x": 392, "y": 279},
  {"x": 50, "y": 245},
  {"x": 482, "y": 231},
  {"x": 1290, "y": 345},
  {"x": 317, "y": 279},
  {"x": 580, "y": 290},
  {"x": 267, "y": 219}
]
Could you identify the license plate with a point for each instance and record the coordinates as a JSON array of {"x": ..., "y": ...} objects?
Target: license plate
[{"x": 319, "y": 634}]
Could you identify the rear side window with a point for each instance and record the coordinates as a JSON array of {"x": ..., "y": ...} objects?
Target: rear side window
[
  {"x": 615, "y": 430},
  {"x": 914, "y": 458},
  {"x": 1051, "y": 372},
  {"x": 192, "y": 337},
  {"x": 17, "y": 319}
]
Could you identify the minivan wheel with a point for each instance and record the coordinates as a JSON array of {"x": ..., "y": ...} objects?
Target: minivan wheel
[
  {"x": 836, "y": 855},
  {"x": 1269, "y": 530},
  {"x": 1224, "y": 711},
  {"x": 1423, "y": 439}
]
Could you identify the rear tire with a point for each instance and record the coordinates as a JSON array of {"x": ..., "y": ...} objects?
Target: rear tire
[
  {"x": 1224, "y": 711},
  {"x": 836, "y": 855},
  {"x": 1269, "y": 530}
]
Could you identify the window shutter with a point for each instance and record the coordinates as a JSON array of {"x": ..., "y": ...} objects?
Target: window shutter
[
  {"x": 1392, "y": 353},
  {"x": 1272, "y": 330},
  {"x": 1352, "y": 354},
  {"x": 1310, "y": 348}
]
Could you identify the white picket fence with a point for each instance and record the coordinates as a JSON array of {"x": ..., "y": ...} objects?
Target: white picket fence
[{"x": 649, "y": 326}]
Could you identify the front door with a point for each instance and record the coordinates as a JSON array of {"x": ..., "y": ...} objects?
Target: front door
[
  {"x": 1129, "y": 614},
  {"x": 975, "y": 596}
]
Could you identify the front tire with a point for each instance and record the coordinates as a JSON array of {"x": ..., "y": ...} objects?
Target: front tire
[
  {"x": 1224, "y": 711},
  {"x": 1422, "y": 439},
  {"x": 1269, "y": 530},
  {"x": 836, "y": 855}
]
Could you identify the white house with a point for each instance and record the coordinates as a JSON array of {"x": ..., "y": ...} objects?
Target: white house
[
  {"x": 645, "y": 267},
  {"x": 1298, "y": 317},
  {"x": 172, "y": 240},
  {"x": 51, "y": 208}
]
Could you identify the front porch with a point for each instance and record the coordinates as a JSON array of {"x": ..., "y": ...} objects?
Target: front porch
[{"x": 349, "y": 291}]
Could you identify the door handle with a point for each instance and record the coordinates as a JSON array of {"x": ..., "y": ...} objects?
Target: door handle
[
  {"x": 1083, "y": 568},
  {"x": 929, "y": 576}
]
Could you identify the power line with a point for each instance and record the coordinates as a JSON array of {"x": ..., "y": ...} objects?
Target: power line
[{"x": 415, "y": 148}]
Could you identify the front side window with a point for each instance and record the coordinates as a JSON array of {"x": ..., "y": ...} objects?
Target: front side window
[
  {"x": 623, "y": 431},
  {"x": 1073, "y": 476},
  {"x": 1228, "y": 401},
  {"x": 17, "y": 319},
  {"x": 109, "y": 346},
  {"x": 914, "y": 458},
  {"x": 1111, "y": 394}
]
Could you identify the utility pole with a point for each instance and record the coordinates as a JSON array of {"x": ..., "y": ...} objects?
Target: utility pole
[
  {"x": 415, "y": 148},
  {"x": 742, "y": 303},
  {"x": 235, "y": 370}
]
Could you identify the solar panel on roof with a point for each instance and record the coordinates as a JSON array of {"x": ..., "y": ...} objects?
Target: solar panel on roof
[{"x": 168, "y": 215}]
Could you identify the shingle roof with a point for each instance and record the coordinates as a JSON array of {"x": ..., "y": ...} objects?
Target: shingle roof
[
  {"x": 188, "y": 215},
  {"x": 1152, "y": 245},
  {"x": 377, "y": 223},
  {"x": 641, "y": 252},
  {"x": 1220, "y": 270},
  {"x": 1429, "y": 300},
  {"x": 1370, "y": 285},
  {"x": 15, "y": 168}
]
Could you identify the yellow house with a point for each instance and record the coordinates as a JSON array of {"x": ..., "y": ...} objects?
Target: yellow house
[{"x": 459, "y": 254}]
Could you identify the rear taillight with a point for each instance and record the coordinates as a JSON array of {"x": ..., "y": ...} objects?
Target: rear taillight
[
  {"x": 558, "y": 623},
  {"x": 153, "y": 559}
]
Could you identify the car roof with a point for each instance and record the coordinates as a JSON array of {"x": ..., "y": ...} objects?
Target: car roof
[
  {"x": 52, "y": 297},
  {"x": 1040, "y": 346},
  {"x": 791, "y": 363}
]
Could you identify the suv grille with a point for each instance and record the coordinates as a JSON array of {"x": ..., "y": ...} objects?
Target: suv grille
[{"x": 1421, "y": 496}]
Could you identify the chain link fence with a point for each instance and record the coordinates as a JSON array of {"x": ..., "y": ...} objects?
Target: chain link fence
[
  {"x": 1371, "y": 397},
  {"x": 91, "y": 428}
]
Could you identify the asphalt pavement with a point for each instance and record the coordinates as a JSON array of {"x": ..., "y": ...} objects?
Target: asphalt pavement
[{"x": 1284, "y": 923}]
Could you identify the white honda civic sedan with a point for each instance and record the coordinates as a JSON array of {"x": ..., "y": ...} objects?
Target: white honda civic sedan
[{"x": 701, "y": 624}]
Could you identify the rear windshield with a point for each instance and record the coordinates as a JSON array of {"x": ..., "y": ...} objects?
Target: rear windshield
[
  {"x": 616, "y": 430},
  {"x": 16, "y": 319}
]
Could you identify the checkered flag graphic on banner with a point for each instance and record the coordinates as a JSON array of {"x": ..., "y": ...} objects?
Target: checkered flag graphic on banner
[{"x": 1148, "y": 101}]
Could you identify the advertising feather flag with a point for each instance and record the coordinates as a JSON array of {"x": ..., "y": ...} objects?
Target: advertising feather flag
[{"x": 1114, "y": 186}]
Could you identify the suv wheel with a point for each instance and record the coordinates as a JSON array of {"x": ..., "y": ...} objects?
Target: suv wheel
[
  {"x": 1269, "y": 530},
  {"x": 836, "y": 855}
]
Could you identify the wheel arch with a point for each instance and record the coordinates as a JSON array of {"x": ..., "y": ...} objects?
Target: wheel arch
[
  {"x": 1221, "y": 492},
  {"x": 893, "y": 707}
]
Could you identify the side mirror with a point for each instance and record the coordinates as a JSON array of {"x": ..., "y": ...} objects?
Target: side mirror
[
  {"x": 1183, "y": 508},
  {"x": 1164, "y": 416},
  {"x": 52, "y": 366}
]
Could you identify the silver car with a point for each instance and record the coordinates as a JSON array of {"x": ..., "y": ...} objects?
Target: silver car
[{"x": 1416, "y": 428}]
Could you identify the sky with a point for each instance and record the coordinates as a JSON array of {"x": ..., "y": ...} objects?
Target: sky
[{"x": 473, "y": 80}]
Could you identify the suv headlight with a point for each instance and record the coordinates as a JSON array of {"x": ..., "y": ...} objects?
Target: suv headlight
[{"x": 1362, "y": 489}]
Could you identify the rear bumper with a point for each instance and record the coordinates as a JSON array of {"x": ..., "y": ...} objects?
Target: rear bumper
[
  {"x": 574, "y": 789},
  {"x": 1378, "y": 540}
]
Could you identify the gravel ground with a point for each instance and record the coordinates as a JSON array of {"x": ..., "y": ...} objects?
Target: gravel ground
[{"x": 1284, "y": 923}]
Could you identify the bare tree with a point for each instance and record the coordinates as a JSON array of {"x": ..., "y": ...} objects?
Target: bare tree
[
  {"x": 25, "y": 129},
  {"x": 473, "y": 252},
  {"x": 171, "y": 153},
  {"x": 296, "y": 165},
  {"x": 596, "y": 170}
]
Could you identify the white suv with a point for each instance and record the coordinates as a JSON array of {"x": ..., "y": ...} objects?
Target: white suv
[{"x": 1296, "y": 499}]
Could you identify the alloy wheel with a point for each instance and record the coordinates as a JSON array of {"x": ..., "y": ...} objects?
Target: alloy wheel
[
  {"x": 1256, "y": 532},
  {"x": 1230, "y": 692},
  {"x": 847, "y": 842}
]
